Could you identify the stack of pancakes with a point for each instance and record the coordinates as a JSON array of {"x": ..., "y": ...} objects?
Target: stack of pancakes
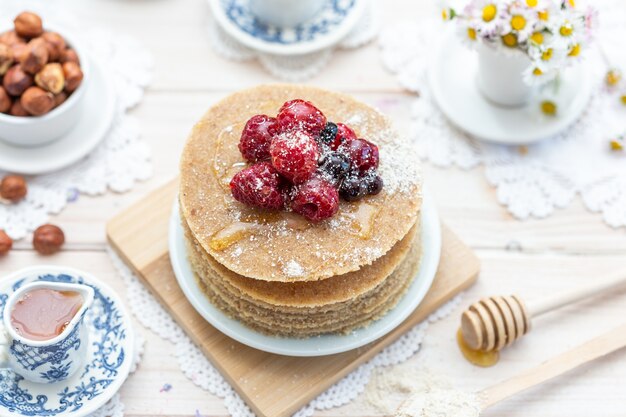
[{"x": 275, "y": 271}]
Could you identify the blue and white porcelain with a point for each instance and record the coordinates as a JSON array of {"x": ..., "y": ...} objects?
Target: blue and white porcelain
[
  {"x": 285, "y": 13},
  {"x": 53, "y": 360},
  {"x": 106, "y": 361},
  {"x": 332, "y": 21}
]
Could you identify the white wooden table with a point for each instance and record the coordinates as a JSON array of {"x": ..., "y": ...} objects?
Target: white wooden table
[{"x": 530, "y": 258}]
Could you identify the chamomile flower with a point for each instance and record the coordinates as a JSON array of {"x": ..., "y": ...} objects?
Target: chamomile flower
[
  {"x": 569, "y": 26},
  {"x": 487, "y": 14},
  {"x": 591, "y": 22},
  {"x": 546, "y": 12},
  {"x": 574, "y": 50},
  {"x": 539, "y": 74},
  {"x": 519, "y": 21},
  {"x": 468, "y": 33},
  {"x": 550, "y": 54},
  {"x": 536, "y": 4},
  {"x": 568, "y": 4}
]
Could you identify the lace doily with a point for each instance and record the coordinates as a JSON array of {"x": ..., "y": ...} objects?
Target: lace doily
[
  {"x": 300, "y": 67},
  {"x": 531, "y": 181},
  {"x": 199, "y": 370},
  {"x": 121, "y": 159}
]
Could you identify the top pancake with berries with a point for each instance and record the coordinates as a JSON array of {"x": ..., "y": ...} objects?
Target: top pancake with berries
[
  {"x": 319, "y": 162},
  {"x": 325, "y": 181}
]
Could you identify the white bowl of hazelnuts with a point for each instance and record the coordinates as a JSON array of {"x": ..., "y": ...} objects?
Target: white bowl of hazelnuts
[{"x": 43, "y": 78}]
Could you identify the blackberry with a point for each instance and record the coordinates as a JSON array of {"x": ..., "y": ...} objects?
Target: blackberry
[
  {"x": 353, "y": 188},
  {"x": 374, "y": 184},
  {"x": 335, "y": 164},
  {"x": 328, "y": 136}
]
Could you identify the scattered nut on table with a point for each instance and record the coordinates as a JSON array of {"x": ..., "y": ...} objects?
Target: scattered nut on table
[
  {"x": 31, "y": 55},
  {"x": 48, "y": 239},
  {"x": 13, "y": 188},
  {"x": 6, "y": 243}
]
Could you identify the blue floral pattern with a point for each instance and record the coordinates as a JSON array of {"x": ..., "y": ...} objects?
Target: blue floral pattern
[
  {"x": 107, "y": 355},
  {"x": 33, "y": 358},
  {"x": 330, "y": 17}
]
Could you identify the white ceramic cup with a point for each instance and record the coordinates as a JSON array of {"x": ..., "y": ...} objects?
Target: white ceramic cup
[
  {"x": 500, "y": 76},
  {"x": 36, "y": 131},
  {"x": 285, "y": 13},
  {"x": 46, "y": 361}
]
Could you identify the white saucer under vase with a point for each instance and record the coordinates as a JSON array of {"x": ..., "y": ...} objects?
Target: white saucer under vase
[
  {"x": 320, "y": 345},
  {"x": 95, "y": 121},
  {"x": 453, "y": 79}
]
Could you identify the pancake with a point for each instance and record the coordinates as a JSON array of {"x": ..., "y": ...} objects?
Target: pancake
[
  {"x": 283, "y": 247},
  {"x": 307, "y": 321}
]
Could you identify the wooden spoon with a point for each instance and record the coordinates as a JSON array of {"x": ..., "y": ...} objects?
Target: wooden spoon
[
  {"x": 419, "y": 405},
  {"x": 496, "y": 322},
  {"x": 565, "y": 362}
]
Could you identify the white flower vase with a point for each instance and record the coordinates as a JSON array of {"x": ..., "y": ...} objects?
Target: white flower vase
[{"x": 500, "y": 76}]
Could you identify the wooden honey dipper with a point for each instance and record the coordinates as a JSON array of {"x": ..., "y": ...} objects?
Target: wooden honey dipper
[{"x": 495, "y": 322}]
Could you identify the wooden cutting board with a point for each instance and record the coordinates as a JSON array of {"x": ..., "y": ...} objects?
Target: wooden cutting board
[{"x": 272, "y": 385}]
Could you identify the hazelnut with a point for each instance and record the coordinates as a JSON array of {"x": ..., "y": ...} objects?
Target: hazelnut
[
  {"x": 6, "y": 58},
  {"x": 37, "y": 101},
  {"x": 51, "y": 78},
  {"x": 13, "y": 187},
  {"x": 10, "y": 38},
  {"x": 28, "y": 25},
  {"x": 18, "y": 110},
  {"x": 73, "y": 76},
  {"x": 56, "y": 45},
  {"x": 17, "y": 49},
  {"x": 5, "y": 101},
  {"x": 48, "y": 239},
  {"x": 60, "y": 98},
  {"x": 6, "y": 243},
  {"x": 69, "y": 55},
  {"x": 16, "y": 81},
  {"x": 35, "y": 56}
]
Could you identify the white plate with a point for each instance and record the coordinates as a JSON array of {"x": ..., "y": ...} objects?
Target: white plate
[
  {"x": 331, "y": 25},
  {"x": 452, "y": 78},
  {"x": 107, "y": 365},
  {"x": 95, "y": 121},
  {"x": 320, "y": 345}
]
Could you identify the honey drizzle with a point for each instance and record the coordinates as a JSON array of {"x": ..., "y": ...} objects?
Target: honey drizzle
[{"x": 476, "y": 357}]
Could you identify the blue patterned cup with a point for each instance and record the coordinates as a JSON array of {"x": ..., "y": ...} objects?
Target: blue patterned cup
[
  {"x": 285, "y": 13},
  {"x": 52, "y": 360}
]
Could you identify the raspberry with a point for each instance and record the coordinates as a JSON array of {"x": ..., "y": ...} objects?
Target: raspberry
[
  {"x": 316, "y": 199},
  {"x": 294, "y": 155},
  {"x": 344, "y": 134},
  {"x": 363, "y": 154},
  {"x": 258, "y": 186},
  {"x": 257, "y": 136},
  {"x": 301, "y": 115}
]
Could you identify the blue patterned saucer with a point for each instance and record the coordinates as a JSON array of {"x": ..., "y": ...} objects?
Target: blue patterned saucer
[
  {"x": 333, "y": 23},
  {"x": 107, "y": 364}
]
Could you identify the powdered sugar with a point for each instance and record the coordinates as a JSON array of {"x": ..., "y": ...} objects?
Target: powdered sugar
[
  {"x": 425, "y": 394},
  {"x": 293, "y": 269},
  {"x": 440, "y": 403}
]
